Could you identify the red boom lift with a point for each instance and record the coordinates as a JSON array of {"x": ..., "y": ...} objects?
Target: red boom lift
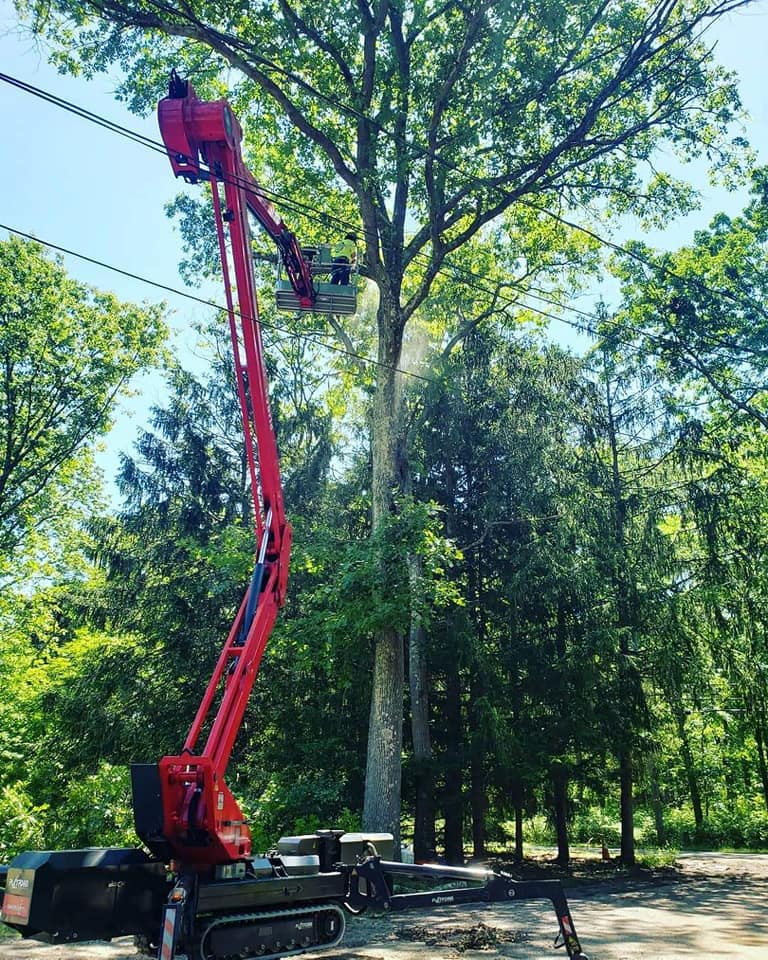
[{"x": 201, "y": 890}]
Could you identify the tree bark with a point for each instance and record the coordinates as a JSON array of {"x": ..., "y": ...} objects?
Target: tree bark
[
  {"x": 478, "y": 799},
  {"x": 627, "y": 808},
  {"x": 381, "y": 804},
  {"x": 627, "y": 625},
  {"x": 381, "y": 810},
  {"x": 517, "y": 792},
  {"x": 479, "y": 804}
]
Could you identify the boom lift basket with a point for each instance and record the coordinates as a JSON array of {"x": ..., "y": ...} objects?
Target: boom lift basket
[{"x": 335, "y": 298}]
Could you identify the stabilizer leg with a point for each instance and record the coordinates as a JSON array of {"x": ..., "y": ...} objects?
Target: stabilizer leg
[
  {"x": 567, "y": 936},
  {"x": 369, "y": 888}
]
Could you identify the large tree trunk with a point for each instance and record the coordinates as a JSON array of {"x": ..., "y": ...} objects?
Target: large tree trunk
[
  {"x": 424, "y": 823},
  {"x": 517, "y": 799},
  {"x": 627, "y": 808},
  {"x": 479, "y": 805},
  {"x": 478, "y": 798},
  {"x": 381, "y": 809},
  {"x": 381, "y": 805},
  {"x": 627, "y": 623}
]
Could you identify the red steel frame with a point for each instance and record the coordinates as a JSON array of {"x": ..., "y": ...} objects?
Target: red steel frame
[{"x": 202, "y": 821}]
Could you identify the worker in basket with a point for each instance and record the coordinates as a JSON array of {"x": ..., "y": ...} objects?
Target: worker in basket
[{"x": 343, "y": 255}]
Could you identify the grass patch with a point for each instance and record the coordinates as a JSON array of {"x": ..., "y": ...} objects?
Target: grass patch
[{"x": 658, "y": 857}]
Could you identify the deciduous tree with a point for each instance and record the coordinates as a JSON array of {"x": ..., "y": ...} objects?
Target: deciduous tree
[
  {"x": 67, "y": 352},
  {"x": 436, "y": 121}
]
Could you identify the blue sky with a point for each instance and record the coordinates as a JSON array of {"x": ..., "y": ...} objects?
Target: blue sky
[{"x": 72, "y": 183}]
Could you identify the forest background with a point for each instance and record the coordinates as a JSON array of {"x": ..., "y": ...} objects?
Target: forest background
[{"x": 564, "y": 555}]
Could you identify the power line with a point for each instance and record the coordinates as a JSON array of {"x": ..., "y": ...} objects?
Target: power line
[
  {"x": 353, "y": 112},
  {"x": 312, "y": 338},
  {"x": 323, "y": 217},
  {"x": 470, "y": 279},
  {"x": 85, "y": 114},
  {"x": 529, "y": 291},
  {"x": 499, "y": 190},
  {"x": 425, "y": 152},
  {"x": 286, "y": 201},
  {"x": 303, "y": 208}
]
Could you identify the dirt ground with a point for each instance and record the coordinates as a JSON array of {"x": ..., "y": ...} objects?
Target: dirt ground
[{"x": 708, "y": 906}]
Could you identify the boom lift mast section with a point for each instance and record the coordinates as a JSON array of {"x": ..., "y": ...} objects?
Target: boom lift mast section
[{"x": 202, "y": 823}]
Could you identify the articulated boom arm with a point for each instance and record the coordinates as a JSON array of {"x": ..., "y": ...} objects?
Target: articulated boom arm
[{"x": 201, "y": 821}]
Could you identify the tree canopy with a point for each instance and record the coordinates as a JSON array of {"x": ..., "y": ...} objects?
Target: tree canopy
[
  {"x": 464, "y": 140},
  {"x": 67, "y": 352}
]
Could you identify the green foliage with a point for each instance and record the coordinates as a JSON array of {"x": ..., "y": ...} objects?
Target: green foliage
[
  {"x": 301, "y": 805},
  {"x": 697, "y": 314},
  {"x": 449, "y": 131},
  {"x": 22, "y": 823},
  {"x": 365, "y": 582},
  {"x": 67, "y": 352},
  {"x": 655, "y": 859},
  {"x": 596, "y": 825},
  {"x": 97, "y": 808},
  {"x": 537, "y": 830},
  {"x": 742, "y": 824},
  {"x": 68, "y": 718},
  {"x": 592, "y": 579}
]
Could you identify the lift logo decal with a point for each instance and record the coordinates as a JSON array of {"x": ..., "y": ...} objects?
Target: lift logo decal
[{"x": 18, "y": 896}]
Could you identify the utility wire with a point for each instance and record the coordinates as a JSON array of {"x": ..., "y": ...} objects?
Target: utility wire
[
  {"x": 302, "y": 207},
  {"x": 318, "y": 216},
  {"x": 426, "y": 153},
  {"x": 305, "y": 209},
  {"x": 322, "y": 217},
  {"x": 286, "y": 201},
  {"x": 85, "y": 114},
  {"x": 268, "y": 325},
  {"x": 358, "y": 115},
  {"x": 315, "y": 338},
  {"x": 499, "y": 190}
]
